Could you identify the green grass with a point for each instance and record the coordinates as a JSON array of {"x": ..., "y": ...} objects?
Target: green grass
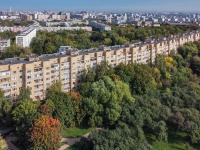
[
  {"x": 175, "y": 142},
  {"x": 75, "y": 132},
  {"x": 62, "y": 143},
  {"x": 73, "y": 147}
]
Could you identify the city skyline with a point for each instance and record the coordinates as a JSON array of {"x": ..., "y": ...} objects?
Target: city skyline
[{"x": 102, "y": 5}]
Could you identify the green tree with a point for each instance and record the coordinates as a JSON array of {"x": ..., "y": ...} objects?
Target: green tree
[
  {"x": 63, "y": 108},
  {"x": 24, "y": 94},
  {"x": 104, "y": 69},
  {"x": 142, "y": 81},
  {"x": 24, "y": 115},
  {"x": 120, "y": 138},
  {"x": 188, "y": 50},
  {"x": 6, "y": 107},
  {"x": 103, "y": 105},
  {"x": 195, "y": 65}
]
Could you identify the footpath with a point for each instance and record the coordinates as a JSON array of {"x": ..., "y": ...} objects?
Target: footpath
[
  {"x": 71, "y": 141},
  {"x": 7, "y": 138}
]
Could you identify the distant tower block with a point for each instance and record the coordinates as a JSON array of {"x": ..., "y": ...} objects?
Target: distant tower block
[{"x": 10, "y": 9}]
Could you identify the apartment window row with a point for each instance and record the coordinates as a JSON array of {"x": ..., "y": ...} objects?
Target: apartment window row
[
  {"x": 5, "y": 85},
  {"x": 4, "y": 73}
]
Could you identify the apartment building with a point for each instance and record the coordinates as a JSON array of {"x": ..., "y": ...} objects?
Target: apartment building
[
  {"x": 4, "y": 43},
  {"x": 26, "y": 17},
  {"x": 67, "y": 66},
  {"x": 55, "y": 29},
  {"x": 102, "y": 27},
  {"x": 25, "y": 37},
  {"x": 42, "y": 17}
]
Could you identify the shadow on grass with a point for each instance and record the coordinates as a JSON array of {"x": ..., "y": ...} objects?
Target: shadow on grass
[
  {"x": 176, "y": 141},
  {"x": 75, "y": 132}
]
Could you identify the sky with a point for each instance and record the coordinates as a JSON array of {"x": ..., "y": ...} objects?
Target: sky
[{"x": 103, "y": 5}]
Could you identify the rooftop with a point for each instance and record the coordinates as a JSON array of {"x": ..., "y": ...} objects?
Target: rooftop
[
  {"x": 26, "y": 32},
  {"x": 46, "y": 57}
]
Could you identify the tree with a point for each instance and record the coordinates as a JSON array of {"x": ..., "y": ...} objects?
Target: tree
[
  {"x": 88, "y": 75},
  {"x": 125, "y": 72},
  {"x": 120, "y": 138},
  {"x": 104, "y": 69},
  {"x": 160, "y": 130},
  {"x": 45, "y": 133},
  {"x": 188, "y": 50},
  {"x": 24, "y": 115},
  {"x": 56, "y": 87},
  {"x": 103, "y": 104},
  {"x": 78, "y": 106},
  {"x": 6, "y": 107},
  {"x": 37, "y": 45},
  {"x": 142, "y": 81},
  {"x": 87, "y": 78},
  {"x": 24, "y": 94},
  {"x": 45, "y": 109},
  {"x": 3, "y": 144},
  {"x": 177, "y": 119},
  {"x": 195, "y": 64},
  {"x": 63, "y": 108}
]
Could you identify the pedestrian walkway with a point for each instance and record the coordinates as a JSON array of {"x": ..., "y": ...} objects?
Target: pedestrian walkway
[
  {"x": 10, "y": 144},
  {"x": 9, "y": 139},
  {"x": 71, "y": 141},
  {"x": 4, "y": 131}
]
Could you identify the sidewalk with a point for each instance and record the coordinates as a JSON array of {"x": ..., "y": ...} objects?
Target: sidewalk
[
  {"x": 10, "y": 144},
  {"x": 71, "y": 141},
  {"x": 6, "y": 130},
  {"x": 9, "y": 139}
]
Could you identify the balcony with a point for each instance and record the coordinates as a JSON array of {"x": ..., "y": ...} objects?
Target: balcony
[
  {"x": 4, "y": 73},
  {"x": 5, "y": 80},
  {"x": 38, "y": 80},
  {"x": 56, "y": 66},
  {"x": 38, "y": 69}
]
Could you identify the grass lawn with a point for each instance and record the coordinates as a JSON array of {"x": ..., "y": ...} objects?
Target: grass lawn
[
  {"x": 75, "y": 132},
  {"x": 62, "y": 143},
  {"x": 175, "y": 142},
  {"x": 73, "y": 147}
]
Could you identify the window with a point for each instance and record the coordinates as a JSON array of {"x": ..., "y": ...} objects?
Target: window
[
  {"x": 20, "y": 71},
  {"x": 14, "y": 78},
  {"x": 47, "y": 84},
  {"x": 14, "y": 84},
  {"x": 29, "y": 71},
  {"x": 14, "y": 72}
]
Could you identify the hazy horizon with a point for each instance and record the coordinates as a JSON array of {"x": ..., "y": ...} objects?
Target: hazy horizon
[{"x": 102, "y": 5}]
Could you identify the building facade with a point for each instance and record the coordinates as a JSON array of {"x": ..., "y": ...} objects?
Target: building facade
[
  {"x": 55, "y": 29},
  {"x": 4, "y": 43},
  {"x": 102, "y": 27},
  {"x": 40, "y": 72},
  {"x": 25, "y": 37}
]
